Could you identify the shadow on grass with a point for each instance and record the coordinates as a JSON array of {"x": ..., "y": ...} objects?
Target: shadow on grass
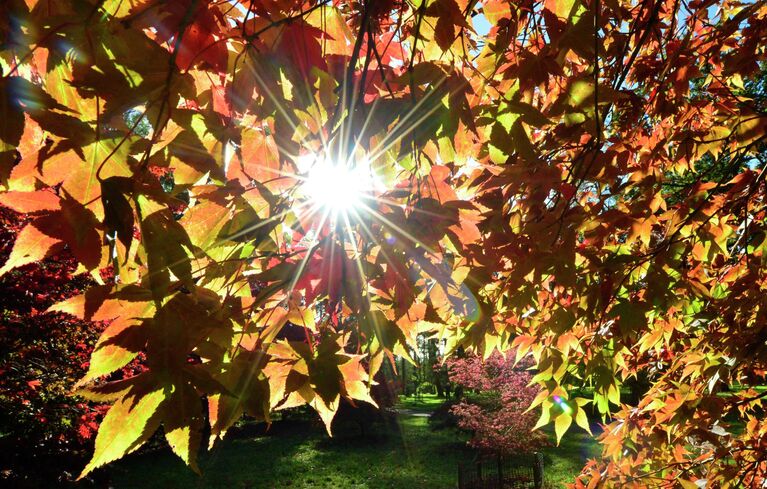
[
  {"x": 299, "y": 454},
  {"x": 402, "y": 454}
]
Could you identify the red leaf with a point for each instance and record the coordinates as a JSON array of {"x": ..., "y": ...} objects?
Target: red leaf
[
  {"x": 200, "y": 45},
  {"x": 300, "y": 44},
  {"x": 449, "y": 16}
]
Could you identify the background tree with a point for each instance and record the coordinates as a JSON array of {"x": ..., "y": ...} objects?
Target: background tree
[
  {"x": 423, "y": 372},
  {"x": 494, "y": 409},
  {"x": 44, "y": 430}
]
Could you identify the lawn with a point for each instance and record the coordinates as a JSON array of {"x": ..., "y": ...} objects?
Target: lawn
[
  {"x": 562, "y": 463},
  {"x": 406, "y": 454}
]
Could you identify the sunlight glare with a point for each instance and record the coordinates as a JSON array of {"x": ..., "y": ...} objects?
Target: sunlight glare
[{"x": 335, "y": 186}]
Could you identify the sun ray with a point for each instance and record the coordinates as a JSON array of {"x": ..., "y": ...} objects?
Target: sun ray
[
  {"x": 361, "y": 271},
  {"x": 357, "y": 255},
  {"x": 264, "y": 222},
  {"x": 414, "y": 210},
  {"x": 385, "y": 146},
  {"x": 278, "y": 106},
  {"x": 348, "y": 106},
  {"x": 364, "y": 127},
  {"x": 372, "y": 238},
  {"x": 394, "y": 134},
  {"x": 358, "y": 261},
  {"x": 306, "y": 258},
  {"x": 399, "y": 230},
  {"x": 465, "y": 292}
]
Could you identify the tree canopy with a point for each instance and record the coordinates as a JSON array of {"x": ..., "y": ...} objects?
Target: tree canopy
[{"x": 581, "y": 180}]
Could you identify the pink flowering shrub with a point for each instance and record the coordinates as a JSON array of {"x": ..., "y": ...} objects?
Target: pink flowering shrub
[{"x": 494, "y": 410}]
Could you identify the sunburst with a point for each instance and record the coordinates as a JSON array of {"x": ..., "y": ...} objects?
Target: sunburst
[{"x": 337, "y": 186}]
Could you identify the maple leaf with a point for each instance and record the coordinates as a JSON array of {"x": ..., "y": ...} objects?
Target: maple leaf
[
  {"x": 125, "y": 336},
  {"x": 31, "y": 245},
  {"x": 129, "y": 423},
  {"x": 449, "y": 16},
  {"x": 300, "y": 43},
  {"x": 31, "y": 202}
]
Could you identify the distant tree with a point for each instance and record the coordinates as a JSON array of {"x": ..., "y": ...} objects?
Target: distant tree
[
  {"x": 495, "y": 408},
  {"x": 441, "y": 378}
]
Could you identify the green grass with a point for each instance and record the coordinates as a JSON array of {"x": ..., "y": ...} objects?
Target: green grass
[
  {"x": 406, "y": 455},
  {"x": 427, "y": 402},
  {"x": 562, "y": 463}
]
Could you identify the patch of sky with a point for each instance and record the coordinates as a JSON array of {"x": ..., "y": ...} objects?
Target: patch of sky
[{"x": 481, "y": 24}]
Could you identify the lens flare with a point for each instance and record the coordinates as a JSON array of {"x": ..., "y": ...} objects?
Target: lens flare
[{"x": 563, "y": 405}]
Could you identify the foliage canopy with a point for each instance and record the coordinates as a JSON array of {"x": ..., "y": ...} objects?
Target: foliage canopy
[{"x": 579, "y": 179}]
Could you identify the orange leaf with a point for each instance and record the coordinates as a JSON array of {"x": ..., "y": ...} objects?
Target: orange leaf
[
  {"x": 26, "y": 202},
  {"x": 31, "y": 245}
]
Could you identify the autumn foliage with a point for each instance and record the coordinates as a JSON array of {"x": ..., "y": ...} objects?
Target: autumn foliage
[
  {"x": 496, "y": 410},
  {"x": 581, "y": 180},
  {"x": 41, "y": 355}
]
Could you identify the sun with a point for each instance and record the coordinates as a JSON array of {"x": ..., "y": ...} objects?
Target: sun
[{"x": 336, "y": 187}]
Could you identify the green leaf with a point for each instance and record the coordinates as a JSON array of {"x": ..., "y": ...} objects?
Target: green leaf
[
  {"x": 163, "y": 238},
  {"x": 579, "y": 93},
  {"x": 190, "y": 158},
  {"x": 500, "y": 138},
  {"x": 514, "y": 109},
  {"x": 246, "y": 390}
]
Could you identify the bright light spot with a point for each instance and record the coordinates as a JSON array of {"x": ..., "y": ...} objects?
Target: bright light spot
[
  {"x": 335, "y": 186},
  {"x": 563, "y": 404}
]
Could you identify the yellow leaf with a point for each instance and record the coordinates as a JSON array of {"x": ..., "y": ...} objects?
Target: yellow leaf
[
  {"x": 355, "y": 381},
  {"x": 614, "y": 394},
  {"x": 326, "y": 410},
  {"x": 538, "y": 399},
  {"x": 183, "y": 424},
  {"x": 561, "y": 423},
  {"x": 129, "y": 423},
  {"x": 30, "y": 246},
  {"x": 302, "y": 316},
  {"x": 561, "y": 8},
  {"x": 582, "y": 420},
  {"x": 545, "y": 415}
]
